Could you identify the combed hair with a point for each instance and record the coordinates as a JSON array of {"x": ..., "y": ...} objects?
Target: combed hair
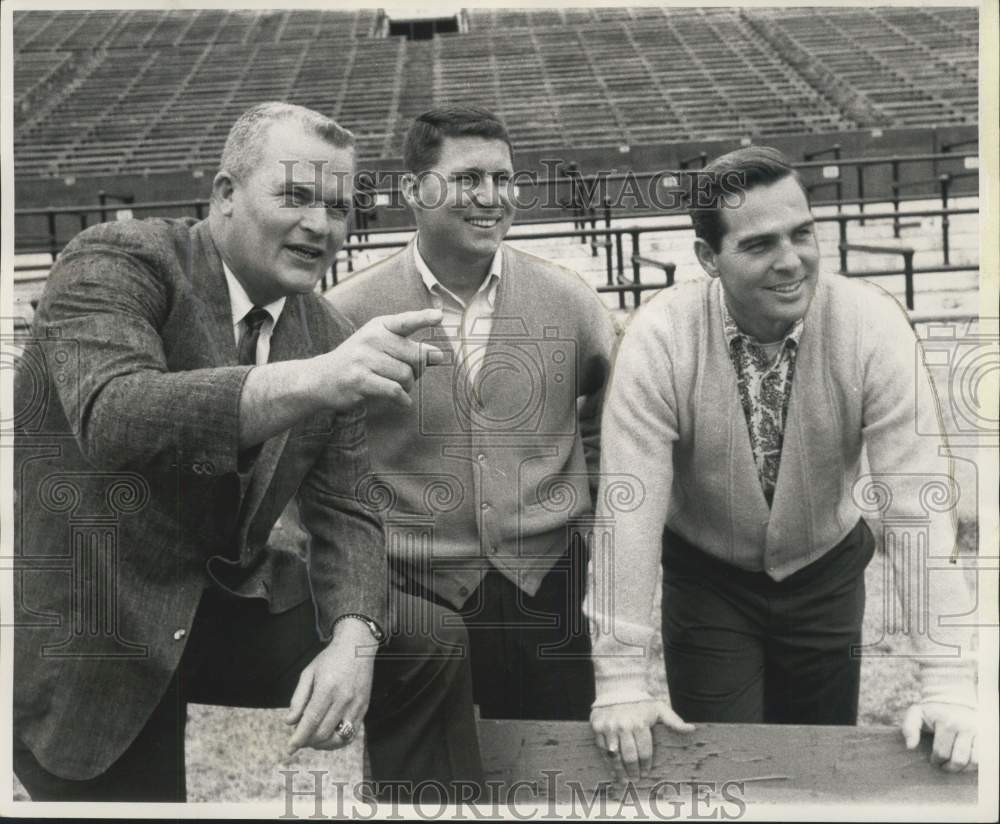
[
  {"x": 422, "y": 146},
  {"x": 725, "y": 179},
  {"x": 245, "y": 143}
]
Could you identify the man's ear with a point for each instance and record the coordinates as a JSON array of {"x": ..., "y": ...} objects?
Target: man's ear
[
  {"x": 222, "y": 192},
  {"x": 706, "y": 257},
  {"x": 408, "y": 185}
]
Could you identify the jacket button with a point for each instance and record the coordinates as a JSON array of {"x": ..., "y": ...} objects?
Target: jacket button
[
  {"x": 208, "y": 467},
  {"x": 463, "y": 591},
  {"x": 484, "y": 506},
  {"x": 179, "y": 634},
  {"x": 481, "y": 458}
]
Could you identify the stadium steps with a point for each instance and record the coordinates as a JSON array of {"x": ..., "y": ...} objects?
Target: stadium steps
[{"x": 560, "y": 78}]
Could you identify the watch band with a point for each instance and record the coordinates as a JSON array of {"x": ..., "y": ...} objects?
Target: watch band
[{"x": 377, "y": 633}]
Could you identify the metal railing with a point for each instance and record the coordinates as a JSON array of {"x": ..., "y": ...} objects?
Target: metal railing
[
  {"x": 586, "y": 208},
  {"x": 833, "y": 150},
  {"x": 905, "y": 251}
]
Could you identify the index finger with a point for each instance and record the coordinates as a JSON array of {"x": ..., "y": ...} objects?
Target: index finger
[
  {"x": 311, "y": 718},
  {"x": 406, "y": 323}
]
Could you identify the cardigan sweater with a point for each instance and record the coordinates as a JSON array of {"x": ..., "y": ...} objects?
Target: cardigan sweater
[
  {"x": 492, "y": 472},
  {"x": 674, "y": 425}
]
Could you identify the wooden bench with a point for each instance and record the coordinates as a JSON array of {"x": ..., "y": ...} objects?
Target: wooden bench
[{"x": 762, "y": 763}]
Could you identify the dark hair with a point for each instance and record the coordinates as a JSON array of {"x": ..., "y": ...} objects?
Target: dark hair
[
  {"x": 722, "y": 183},
  {"x": 422, "y": 146}
]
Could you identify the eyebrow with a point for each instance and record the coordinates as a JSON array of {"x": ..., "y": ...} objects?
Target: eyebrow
[
  {"x": 307, "y": 189},
  {"x": 751, "y": 239},
  {"x": 479, "y": 171}
]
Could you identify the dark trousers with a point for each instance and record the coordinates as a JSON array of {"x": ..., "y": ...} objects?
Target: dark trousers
[
  {"x": 420, "y": 723},
  {"x": 741, "y": 647},
  {"x": 530, "y": 654}
]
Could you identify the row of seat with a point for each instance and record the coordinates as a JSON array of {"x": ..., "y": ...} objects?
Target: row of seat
[
  {"x": 915, "y": 66},
  {"x": 71, "y": 29},
  {"x": 558, "y": 77}
]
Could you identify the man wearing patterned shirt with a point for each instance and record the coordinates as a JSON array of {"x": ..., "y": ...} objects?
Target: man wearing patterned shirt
[{"x": 771, "y": 382}]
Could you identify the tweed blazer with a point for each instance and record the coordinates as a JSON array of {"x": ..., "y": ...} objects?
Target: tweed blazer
[
  {"x": 132, "y": 494},
  {"x": 494, "y": 472}
]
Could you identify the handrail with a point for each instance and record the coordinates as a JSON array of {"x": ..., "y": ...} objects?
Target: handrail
[
  {"x": 553, "y": 181},
  {"x": 687, "y": 161},
  {"x": 635, "y": 285},
  {"x": 614, "y": 252},
  {"x": 834, "y": 150},
  {"x": 905, "y": 251}
]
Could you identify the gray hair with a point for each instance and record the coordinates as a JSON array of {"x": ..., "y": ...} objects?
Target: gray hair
[{"x": 245, "y": 143}]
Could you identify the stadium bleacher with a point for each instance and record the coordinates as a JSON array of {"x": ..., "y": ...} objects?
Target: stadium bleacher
[{"x": 116, "y": 92}]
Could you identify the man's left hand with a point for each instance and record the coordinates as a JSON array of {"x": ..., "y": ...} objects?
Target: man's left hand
[
  {"x": 335, "y": 687},
  {"x": 954, "y": 729}
]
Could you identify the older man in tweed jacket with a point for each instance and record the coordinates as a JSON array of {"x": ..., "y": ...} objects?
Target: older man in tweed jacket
[{"x": 183, "y": 385}]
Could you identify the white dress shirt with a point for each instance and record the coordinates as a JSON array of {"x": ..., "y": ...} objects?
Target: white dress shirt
[
  {"x": 240, "y": 304},
  {"x": 467, "y": 324}
]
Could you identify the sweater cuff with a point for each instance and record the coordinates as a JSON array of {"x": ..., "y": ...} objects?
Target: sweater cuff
[
  {"x": 620, "y": 689},
  {"x": 948, "y": 684},
  {"x": 621, "y": 662}
]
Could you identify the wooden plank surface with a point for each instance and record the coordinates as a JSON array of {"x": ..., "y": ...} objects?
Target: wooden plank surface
[{"x": 775, "y": 763}]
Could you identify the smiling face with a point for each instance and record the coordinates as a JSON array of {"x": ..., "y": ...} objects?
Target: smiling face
[
  {"x": 280, "y": 227},
  {"x": 768, "y": 260},
  {"x": 463, "y": 204}
]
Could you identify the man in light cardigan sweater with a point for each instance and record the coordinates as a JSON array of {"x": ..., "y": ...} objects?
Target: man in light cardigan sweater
[
  {"x": 484, "y": 478},
  {"x": 717, "y": 384}
]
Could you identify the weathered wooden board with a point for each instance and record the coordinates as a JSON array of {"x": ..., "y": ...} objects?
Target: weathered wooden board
[{"x": 776, "y": 763}]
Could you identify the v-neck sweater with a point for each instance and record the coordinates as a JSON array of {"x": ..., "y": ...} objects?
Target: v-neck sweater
[
  {"x": 495, "y": 473},
  {"x": 675, "y": 436}
]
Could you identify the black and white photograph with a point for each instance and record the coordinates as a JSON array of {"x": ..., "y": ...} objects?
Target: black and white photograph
[{"x": 482, "y": 411}]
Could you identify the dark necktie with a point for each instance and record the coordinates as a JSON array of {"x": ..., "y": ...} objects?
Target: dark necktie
[{"x": 247, "y": 351}]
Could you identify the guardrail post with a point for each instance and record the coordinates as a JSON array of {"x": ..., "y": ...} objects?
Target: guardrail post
[
  {"x": 842, "y": 230},
  {"x": 199, "y": 210},
  {"x": 83, "y": 221},
  {"x": 606, "y": 205},
  {"x": 102, "y": 198},
  {"x": 908, "y": 274},
  {"x": 895, "y": 198},
  {"x": 621, "y": 259},
  {"x": 860, "y": 170},
  {"x": 636, "y": 277},
  {"x": 945, "y": 183},
  {"x": 53, "y": 244},
  {"x": 669, "y": 269},
  {"x": 840, "y": 177}
]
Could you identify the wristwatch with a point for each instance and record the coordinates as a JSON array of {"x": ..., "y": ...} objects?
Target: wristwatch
[{"x": 373, "y": 628}]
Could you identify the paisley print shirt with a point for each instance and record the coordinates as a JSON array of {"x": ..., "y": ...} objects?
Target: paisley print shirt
[{"x": 764, "y": 380}]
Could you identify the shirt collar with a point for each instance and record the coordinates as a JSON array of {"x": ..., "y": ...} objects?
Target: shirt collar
[
  {"x": 733, "y": 331},
  {"x": 489, "y": 284},
  {"x": 240, "y": 303}
]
